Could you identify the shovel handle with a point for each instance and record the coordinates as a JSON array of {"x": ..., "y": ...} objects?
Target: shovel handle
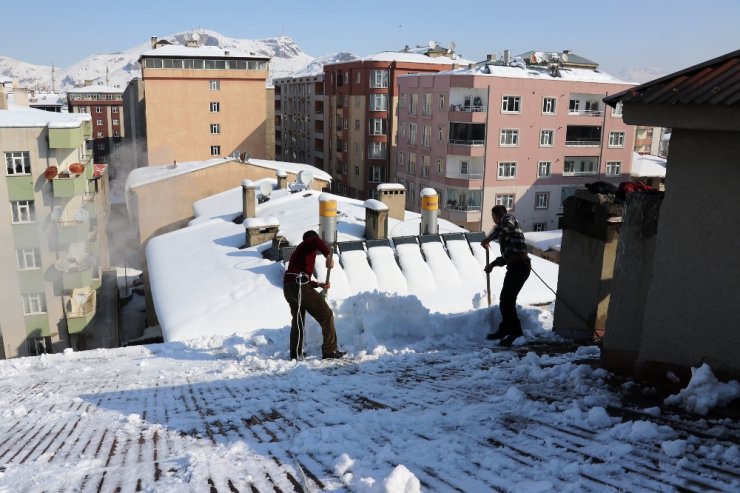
[{"x": 488, "y": 278}]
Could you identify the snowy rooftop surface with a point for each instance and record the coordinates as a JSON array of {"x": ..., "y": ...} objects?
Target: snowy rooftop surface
[
  {"x": 173, "y": 50},
  {"x": 544, "y": 240},
  {"x": 93, "y": 89},
  {"x": 645, "y": 165},
  {"x": 427, "y": 407},
  {"x": 23, "y": 116},
  {"x": 533, "y": 72},
  {"x": 202, "y": 283},
  {"x": 46, "y": 98},
  {"x": 400, "y": 56},
  {"x": 151, "y": 174}
]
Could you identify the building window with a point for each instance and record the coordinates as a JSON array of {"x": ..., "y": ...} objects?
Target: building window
[
  {"x": 345, "y": 123},
  {"x": 541, "y": 200},
  {"x": 378, "y": 102},
  {"x": 101, "y": 147},
  {"x": 414, "y": 104},
  {"x": 357, "y": 171},
  {"x": 98, "y": 122},
  {"x": 18, "y": 163},
  {"x": 506, "y": 170},
  {"x": 400, "y": 159},
  {"x": 585, "y": 166},
  {"x": 613, "y": 168},
  {"x": 510, "y": 104},
  {"x": 505, "y": 199},
  {"x": 617, "y": 110},
  {"x": 376, "y": 174},
  {"x": 344, "y": 146},
  {"x": 215, "y": 150},
  {"x": 28, "y": 258},
  {"x": 116, "y": 133},
  {"x": 214, "y": 85},
  {"x": 115, "y": 121},
  {"x": 412, "y": 134},
  {"x": 358, "y": 77},
  {"x": 548, "y": 106},
  {"x": 215, "y": 106},
  {"x": 425, "y": 165},
  {"x": 411, "y": 166},
  {"x": 463, "y": 167},
  {"x": 376, "y": 150},
  {"x": 34, "y": 303},
  {"x": 442, "y": 102},
  {"x": 114, "y": 109},
  {"x": 509, "y": 137},
  {"x": 574, "y": 106},
  {"x": 377, "y": 126},
  {"x": 402, "y": 129},
  {"x": 402, "y": 100},
  {"x": 24, "y": 211},
  {"x": 379, "y": 78},
  {"x": 440, "y": 166},
  {"x": 539, "y": 227},
  {"x": 426, "y": 108},
  {"x": 426, "y": 137},
  {"x": 546, "y": 138},
  {"x": 98, "y": 109},
  {"x": 440, "y": 134},
  {"x": 544, "y": 169},
  {"x": 616, "y": 139},
  {"x": 357, "y": 124},
  {"x": 215, "y": 128},
  {"x": 100, "y": 135},
  {"x": 345, "y": 101}
]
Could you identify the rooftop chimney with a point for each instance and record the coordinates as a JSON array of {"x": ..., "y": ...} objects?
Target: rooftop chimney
[
  {"x": 490, "y": 58},
  {"x": 507, "y": 57},
  {"x": 429, "y": 210},
  {"x": 249, "y": 199},
  {"x": 282, "y": 179},
  {"x": 393, "y": 195},
  {"x": 154, "y": 42},
  {"x": 376, "y": 220}
]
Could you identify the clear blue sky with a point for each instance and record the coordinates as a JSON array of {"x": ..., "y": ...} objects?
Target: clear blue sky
[{"x": 662, "y": 34}]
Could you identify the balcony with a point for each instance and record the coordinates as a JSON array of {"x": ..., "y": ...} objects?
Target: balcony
[
  {"x": 585, "y": 113},
  {"x": 462, "y": 214},
  {"x": 582, "y": 143},
  {"x": 66, "y": 186},
  {"x": 73, "y": 231},
  {"x": 81, "y": 309}
]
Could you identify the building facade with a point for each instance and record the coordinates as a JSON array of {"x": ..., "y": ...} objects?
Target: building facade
[
  {"x": 203, "y": 102},
  {"x": 53, "y": 231},
  {"x": 360, "y": 122},
  {"x": 104, "y": 104},
  {"x": 524, "y": 133},
  {"x": 299, "y": 119}
]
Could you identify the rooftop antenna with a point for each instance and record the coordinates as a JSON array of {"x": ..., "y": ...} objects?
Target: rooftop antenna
[
  {"x": 53, "y": 82},
  {"x": 107, "y": 76}
]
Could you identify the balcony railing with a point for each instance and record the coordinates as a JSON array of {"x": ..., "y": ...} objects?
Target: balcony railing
[
  {"x": 464, "y": 176},
  {"x": 583, "y": 143},
  {"x": 454, "y": 206},
  {"x": 586, "y": 112},
  {"x": 579, "y": 173},
  {"x": 467, "y": 142},
  {"x": 81, "y": 309},
  {"x": 468, "y": 109}
]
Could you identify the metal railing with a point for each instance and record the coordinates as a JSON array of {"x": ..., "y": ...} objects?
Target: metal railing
[
  {"x": 468, "y": 109},
  {"x": 468, "y": 142},
  {"x": 462, "y": 207},
  {"x": 586, "y": 112},
  {"x": 579, "y": 173},
  {"x": 583, "y": 143},
  {"x": 464, "y": 176}
]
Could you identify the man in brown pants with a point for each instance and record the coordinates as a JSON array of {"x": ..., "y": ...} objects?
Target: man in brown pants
[{"x": 300, "y": 293}]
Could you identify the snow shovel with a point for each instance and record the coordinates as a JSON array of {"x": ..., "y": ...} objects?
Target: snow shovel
[{"x": 325, "y": 291}]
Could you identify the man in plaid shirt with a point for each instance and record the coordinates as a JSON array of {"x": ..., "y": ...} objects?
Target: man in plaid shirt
[{"x": 514, "y": 256}]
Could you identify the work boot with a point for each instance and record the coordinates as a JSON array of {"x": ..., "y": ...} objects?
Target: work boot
[
  {"x": 334, "y": 355},
  {"x": 510, "y": 338},
  {"x": 499, "y": 334}
]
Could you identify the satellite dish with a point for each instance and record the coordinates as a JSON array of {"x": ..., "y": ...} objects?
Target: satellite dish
[
  {"x": 265, "y": 189},
  {"x": 564, "y": 57},
  {"x": 451, "y": 47},
  {"x": 195, "y": 36},
  {"x": 304, "y": 178},
  {"x": 235, "y": 154},
  {"x": 62, "y": 265},
  {"x": 247, "y": 156},
  {"x": 432, "y": 44},
  {"x": 188, "y": 36}
]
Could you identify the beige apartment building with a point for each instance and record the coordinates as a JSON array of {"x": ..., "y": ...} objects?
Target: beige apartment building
[
  {"x": 299, "y": 119},
  {"x": 52, "y": 233},
  {"x": 202, "y": 102}
]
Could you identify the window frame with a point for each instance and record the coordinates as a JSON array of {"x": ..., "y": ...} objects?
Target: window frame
[
  {"x": 215, "y": 106},
  {"x": 553, "y": 105},
  {"x": 23, "y": 211},
  {"x": 509, "y": 100},
  {"x": 16, "y": 159},
  {"x": 34, "y": 303},
  {"x": 610, "y": 166},
  {"x": 508, "y": 203},
  {"x": 541, "y": 204},
  {"x": 28, "y": 258},
  {"x": 539, "y": 169},
  {"x": 215, "y": 128},
  {"x": 506, "y": 170},
  {"x": 549, "y": 142},
  {"x": 509, "y": 134},
  {"x": 215, "y": 150},
  {"x": 618, "y": 136},
  {"x": 214, "y": 85}
]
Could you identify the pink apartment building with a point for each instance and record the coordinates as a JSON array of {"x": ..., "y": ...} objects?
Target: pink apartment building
[{"x": 524, "y": 133}]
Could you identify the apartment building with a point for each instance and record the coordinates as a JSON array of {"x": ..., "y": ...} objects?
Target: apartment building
[
  {"x": 652, "y": 140},
  {"x": 202, "y": 102},
  {"x": 361, "y": 98},
  {"x": 53, "y": 230},
  {"x": 104, "y": 104},
  {"x": 524, "y": 132},
  {"x": 299, "y": 119}
]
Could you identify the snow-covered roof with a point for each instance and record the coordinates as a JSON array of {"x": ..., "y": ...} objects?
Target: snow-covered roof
[
  {"x": 396, "y": 56},
  {"x": 22, "y": 116},
  {"x": 151, "y": 174},
  {"x": 46, "y": 99},
  {"x": 93, "y": 89},
  {"x": 648, "y": 166},
  {"x": 532, "y": 72},
  {"x": 200, "y": 52},
  {"x": 203, "y": 283},
  {"x": 544, "y": 240}
]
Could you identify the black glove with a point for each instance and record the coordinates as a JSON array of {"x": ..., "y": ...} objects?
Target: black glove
[{"x": 499, "y": 262}]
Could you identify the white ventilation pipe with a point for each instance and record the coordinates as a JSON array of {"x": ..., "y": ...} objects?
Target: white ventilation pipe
[
  {"x": 429, "y": 210},
  {"x": 327, "y": 218}
]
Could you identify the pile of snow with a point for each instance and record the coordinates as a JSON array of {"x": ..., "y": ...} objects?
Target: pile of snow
[{"x": 704, "y": 392}]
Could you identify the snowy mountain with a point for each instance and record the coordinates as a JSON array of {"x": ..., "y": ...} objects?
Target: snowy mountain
[
  {"x": 640, "y": 75},
  {"x": 287, "y": 59}
]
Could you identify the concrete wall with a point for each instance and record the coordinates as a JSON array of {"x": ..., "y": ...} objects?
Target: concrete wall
[
  {"x": 692, "y": 307},
  {"x": 635, "y": 256},
  {"x": 587, "y": 255}
]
